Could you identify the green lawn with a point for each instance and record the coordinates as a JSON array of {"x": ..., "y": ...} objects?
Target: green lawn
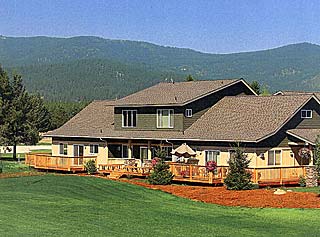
[
  {"x": 304, "y": 189},
  {"x": 13, "y": 167},
  {"x": 84, "y": 206}
]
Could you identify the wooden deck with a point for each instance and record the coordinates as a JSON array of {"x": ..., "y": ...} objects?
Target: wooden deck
[
  {"x": 48, "y": 162},
  {"x": 198, "y": 174},
  {"x": 263, "y": 176}
]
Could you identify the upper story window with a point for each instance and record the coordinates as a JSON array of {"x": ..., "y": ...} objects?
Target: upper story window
[
  {"x": 188, "y": 113},
  {"x": 164, "y": 118},
  {"x": 129, "y": 118},
  {"x": 306, "y": 113},
  {"x": 94, "y": 148},
  {"x": 63, "y": 149}
]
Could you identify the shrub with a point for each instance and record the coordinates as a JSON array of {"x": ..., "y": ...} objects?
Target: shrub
[
  {"x": 302, "y": 181},
  {"x": 90, "y": 167},
  {"x": 1, "y": 166},
  {"x": 238, "y": 178},
  {"x": 160, "y": 173}
]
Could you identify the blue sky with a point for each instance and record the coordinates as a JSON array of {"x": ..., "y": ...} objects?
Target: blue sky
[{"x": 217, "y": 26}]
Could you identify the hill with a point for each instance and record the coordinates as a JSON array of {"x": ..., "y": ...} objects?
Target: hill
[{"x": 92, "y": 67}]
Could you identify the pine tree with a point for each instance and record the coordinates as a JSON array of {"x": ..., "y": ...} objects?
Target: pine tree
[
  {"x": 256, "y": 87},
  {"x": 160, "y": 173},
  {"x": 238, "y": 178},
  {"x": 317, "y": 155},
  {"x": 190, "y": 78},
  {"x": 23, "y": 115}
]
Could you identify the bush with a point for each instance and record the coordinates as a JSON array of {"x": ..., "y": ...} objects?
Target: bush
[
  {"x": 1, "y": 166},
  {"x": 302, "y": 181},
  {"x": 160, "y": 173},
  {"x": 238, "y": 178},
  {"x": 90, "y": 167}
]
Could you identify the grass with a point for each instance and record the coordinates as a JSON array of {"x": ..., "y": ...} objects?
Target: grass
[
  {"x": 304, "y": 189},
  {"x": 14, "y": 167},
  {"x": 84, "y": 206}
]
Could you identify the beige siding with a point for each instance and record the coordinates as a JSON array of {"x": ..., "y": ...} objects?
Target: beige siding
[{"x": 101, "y": 156}]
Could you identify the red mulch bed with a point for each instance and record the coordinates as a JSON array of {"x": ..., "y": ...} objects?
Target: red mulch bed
[{"x": 249, "y": 198}]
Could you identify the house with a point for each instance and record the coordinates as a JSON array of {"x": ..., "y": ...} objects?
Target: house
[{"x": 210, "y": 116}]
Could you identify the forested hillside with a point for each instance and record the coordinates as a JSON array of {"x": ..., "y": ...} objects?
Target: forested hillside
[{"x": 85, "y": 68}]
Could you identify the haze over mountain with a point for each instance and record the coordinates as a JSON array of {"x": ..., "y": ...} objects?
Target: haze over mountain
[{"x": 95, "y": 68}]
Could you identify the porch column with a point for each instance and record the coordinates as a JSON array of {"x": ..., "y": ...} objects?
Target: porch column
[
  {"x": 107, "y": 151},
  {"x": 149, "y": 150},
  {"x": 129, "y": 149}
]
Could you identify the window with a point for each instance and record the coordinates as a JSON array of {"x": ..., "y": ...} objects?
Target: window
[
  {"x": 63, "y": 149},
  {"x": 129, "y": 118},
  {"x": 306, "y": 113},
  {"x": 188, "y": 113},
  {"x": 274, "y": 157},
  {"x": 165, "y": 118},
  {"x": 212, "y": 156},
  {"x": 94, "y": 148},
  {"x": 124, "y": 151}
]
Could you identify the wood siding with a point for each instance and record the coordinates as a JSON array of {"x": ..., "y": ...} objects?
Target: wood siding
[{"x": 147, "y": 118}]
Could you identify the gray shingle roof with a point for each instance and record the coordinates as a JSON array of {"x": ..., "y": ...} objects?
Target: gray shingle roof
[
  {"x": 309, "y": 135},
  {"x": 234, "y": 118},
  {"x": 97, "y": 120},
  {"x": 316, "y": 93},
  {"x": 246, "y": 118},
  {"x": 177, "y": 93}
]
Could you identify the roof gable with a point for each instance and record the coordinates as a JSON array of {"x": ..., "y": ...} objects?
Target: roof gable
[
  {"x": 246, "y": 118},
  {"x": 178, "y": 93}
]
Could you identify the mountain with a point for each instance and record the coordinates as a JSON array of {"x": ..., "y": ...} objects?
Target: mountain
[{"x": 95, "y": 68}]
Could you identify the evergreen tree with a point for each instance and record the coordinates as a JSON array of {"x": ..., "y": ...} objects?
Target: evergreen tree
[
  {"x": 317, "y": 155},
  {"x": 256, "y": 87},
  {"x": 190, "y": 78},
  {"x": 160, "y": 173},
  {"x": 238, "y": 178},
  {"x": 23, "y": 115}
]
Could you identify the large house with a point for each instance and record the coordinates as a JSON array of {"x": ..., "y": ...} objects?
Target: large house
[{"x": 210, "y": 116}]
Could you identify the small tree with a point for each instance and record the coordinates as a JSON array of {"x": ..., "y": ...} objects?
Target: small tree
[
  {"x": 90, "y": 167},
  {"x": 317, "y": 155},
  {"x": 160, "y": 173},
  {"x": 256, "y": 87},
  {"x": 190, "y": 78},
  {"x": 238, "y": 178}
]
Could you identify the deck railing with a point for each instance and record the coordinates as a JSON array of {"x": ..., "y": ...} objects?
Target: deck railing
[
  {"x": 46, "y": 161},
  {"x": 181, "y": 171}
]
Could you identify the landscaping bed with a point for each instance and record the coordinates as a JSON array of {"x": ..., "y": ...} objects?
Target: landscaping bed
[{"x": 248, "y": 198}]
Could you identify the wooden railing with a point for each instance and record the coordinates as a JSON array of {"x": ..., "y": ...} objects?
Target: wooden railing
[
  {"x": 124, "y": 169},
  {"x": 279, "y": 175},
  {"x": 181, "y": 171},
  {"x": 46, "y": 161},
  {"x": 197, "y": 173}
]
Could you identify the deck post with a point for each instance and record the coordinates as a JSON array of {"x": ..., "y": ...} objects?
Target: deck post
[
  {"x": 280, "y": 175},
  {"x": 149, "y": 150},
  {"x": 255, "y": 175},
  {"x": 107, "y": 152},
  {"x": 210, "y": 177},
  {"x": 190, "y": 171}
]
